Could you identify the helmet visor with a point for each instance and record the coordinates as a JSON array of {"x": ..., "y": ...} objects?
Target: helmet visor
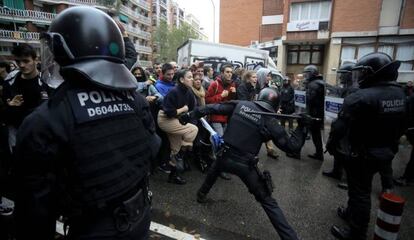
[
  {"x": 49, "y": 67},
  {"x": 361, "y": 73},
  {"x": 307, "y": 75}
]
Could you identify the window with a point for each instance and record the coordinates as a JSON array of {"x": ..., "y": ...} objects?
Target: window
[
  {"x": 304, "y": 57},
  {"x": 319, "y": 11},
  {"x": 305, "y": 54},
  {"x": 405, "y": 53},
  {"x": 348, "y": 53},
  {"x": 292, "y": 57},
  {"x": 364, "y": 50},
  {"x": 316, "y": 57},
  {"x": 294, "y": 12},
  {"x": 387, "y": 49}
]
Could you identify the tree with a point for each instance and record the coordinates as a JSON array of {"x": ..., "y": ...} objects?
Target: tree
[{"x": 168, "y": 39}]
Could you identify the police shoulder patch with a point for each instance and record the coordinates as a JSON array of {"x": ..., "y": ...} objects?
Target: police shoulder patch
[{"x": 91, "y": 105}]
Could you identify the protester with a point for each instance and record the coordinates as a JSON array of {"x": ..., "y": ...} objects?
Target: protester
[
  {"x": 263, "y": 78},
  {"x": 179, "y": 100}
]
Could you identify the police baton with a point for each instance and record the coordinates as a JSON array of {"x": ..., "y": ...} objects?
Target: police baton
[{"x": 279, "y": 115}]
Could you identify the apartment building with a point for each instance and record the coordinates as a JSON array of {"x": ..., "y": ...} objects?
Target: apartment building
[
  {"x": 175, "y": 16},
  {"x": 322, "y": 32},
  {"x": 21, "y": 21}
]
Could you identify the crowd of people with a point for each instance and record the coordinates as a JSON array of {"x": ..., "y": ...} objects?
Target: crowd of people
[{"x": 85, "y": 150}]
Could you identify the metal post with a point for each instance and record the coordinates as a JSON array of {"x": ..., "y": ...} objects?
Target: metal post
[{"x": 214, "y": 21}]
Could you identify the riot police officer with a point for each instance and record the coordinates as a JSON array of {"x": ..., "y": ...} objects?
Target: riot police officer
[
  {"x": 335, "y": 146},
  {"x": 240, "y": 150},
  {"x": 85, "y": 153},
  {"x": 315, "y": 101},
  {"x": 372, "y": 120}
]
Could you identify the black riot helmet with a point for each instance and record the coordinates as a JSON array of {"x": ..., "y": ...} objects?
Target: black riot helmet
[
  {"x": 88, "y": 41},
  {"x": 373, "y": 68},
  {"x": 310, "y": 72},
  {"x": 344, "y": 74},
  {"x": 268, "y": 99}
]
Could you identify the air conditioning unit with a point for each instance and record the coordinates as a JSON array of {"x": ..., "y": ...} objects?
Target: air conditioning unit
[{"x": 324, "y": 26}]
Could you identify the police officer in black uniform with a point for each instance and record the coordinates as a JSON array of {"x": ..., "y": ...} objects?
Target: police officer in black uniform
[
  {"x": 372, "y": 121},
  {"x": 315, "y": 101},
  {"x": 240, "y": 150},
  {"x": 337, "y": 147},
  {"x": 85, "y": 153}
]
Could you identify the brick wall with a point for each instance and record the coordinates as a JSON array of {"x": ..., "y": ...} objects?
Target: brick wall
[
  {"x": 356, "y": 15},
  {"x": 61, "y": 7},
  {"x": 28, "y": 4},
  {"x": 272, "y": 7},
  {"x": 408, "y": 15},
  {"x": 270, "y": 32},
  {"x": 240, "y": 21}
]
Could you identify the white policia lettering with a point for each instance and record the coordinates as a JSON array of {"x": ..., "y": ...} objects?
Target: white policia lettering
[
  {"x": 98, "y": 97},
  {"x": 254, "y": 117},
  {"x": 395, "y": 105}
]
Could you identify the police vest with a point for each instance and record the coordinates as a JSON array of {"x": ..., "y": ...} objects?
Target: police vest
[
  {"x": 109, "y": 146},
  {"x": 381, "y": 117},
  {"x": 243, "y": 131}
]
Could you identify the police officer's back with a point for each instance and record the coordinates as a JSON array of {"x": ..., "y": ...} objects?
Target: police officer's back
[
  {"x": 373, "y": 119},
  {"x": 85, "y": 153},
  {"x": 243, "y": 138}
]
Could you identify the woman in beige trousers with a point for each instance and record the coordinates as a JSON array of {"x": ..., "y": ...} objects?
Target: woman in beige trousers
[{"x": 179, "y": 100}]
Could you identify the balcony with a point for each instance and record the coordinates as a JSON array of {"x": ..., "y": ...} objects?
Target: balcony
[
  {"x": 129, "y": 12},
  {"x": 163, "y": 4},
  {"x": 17, "y": 36},
  {"x": 144, "y": 20},
  {"x": 97, "y": 3},
  {"x": 26, "y": 15},
  {"x": 138, "y": 32},
  {"x": 143, "y": 49},
  {"x": 163, "y": 16},
  {"x": 142, "y": 4}
]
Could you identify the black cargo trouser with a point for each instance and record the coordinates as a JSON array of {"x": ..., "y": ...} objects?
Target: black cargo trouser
[
  {"x": 233, "y": 162},
  {"x": 316, "y": 133},
  {"x": 360, "y": 172}
]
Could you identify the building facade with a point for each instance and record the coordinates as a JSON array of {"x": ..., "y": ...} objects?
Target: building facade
[
  {"x": 22, "y": 21},
  {"x": 325, "y": 33}
]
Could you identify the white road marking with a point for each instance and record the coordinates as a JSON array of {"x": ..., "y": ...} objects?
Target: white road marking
[{"x": 156, "y": 228}]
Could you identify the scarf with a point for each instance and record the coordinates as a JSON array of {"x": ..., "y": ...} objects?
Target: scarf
[{"x": 200, "y": 94}]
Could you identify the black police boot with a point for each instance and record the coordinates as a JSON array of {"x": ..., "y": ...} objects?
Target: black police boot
[
  {"x": 342, "y": 212},
  {"x": 341, "y": 233},
  {"x": 201, "y": 197},
  {"x": 317, "y": 156},
  {"x": 225, "y": 176},
  {"x": 343, "y": 185},
  {"x": 332, "y": 174},
  {"x": 175, "y": 178}
]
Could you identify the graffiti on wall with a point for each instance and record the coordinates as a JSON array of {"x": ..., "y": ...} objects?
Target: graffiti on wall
[{"x": 250, "y": 63}]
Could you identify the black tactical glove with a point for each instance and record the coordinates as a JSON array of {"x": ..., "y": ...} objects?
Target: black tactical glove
[
  {"x": 184, "y": 118},
  {"x": 305, "y": 120}
]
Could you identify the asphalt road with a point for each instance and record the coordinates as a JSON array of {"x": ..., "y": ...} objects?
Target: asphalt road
[{"x": 308, "y": 199}]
